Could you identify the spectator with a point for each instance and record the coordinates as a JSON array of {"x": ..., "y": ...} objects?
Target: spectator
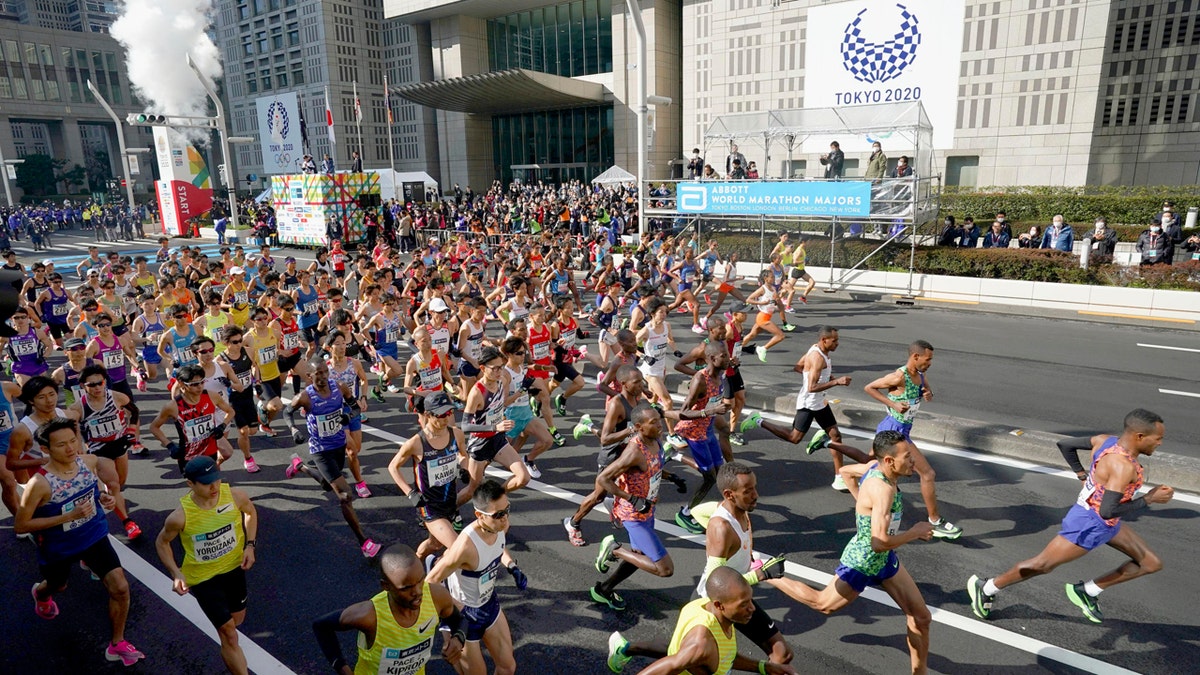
[
  {"x": 1030, "y": 239},
  {"x": 834, "y": 161},
  {"x": 950, "y": 233},
  {"x": 327, "y": 165},
  {"x": 709, "y": 173},
  {"x": 734, "y": 157},
  {"x": 695, "y": 165},
  {"x": 308, "y": 165},
  {"x": 969, "y": 237},
  {"x": 355, "y": 162},
  {"x": 1103, "y": 239},
  {"x": 996, "y": 238},
  {"x": 738, "y": 172},
  {"x": 1170, "y": 227},
  {"x": 877, "y": 164},
  {"x": 902, "y": 170},
  {"x": 1155, "y": 246},
  {"x": 1191, "y": 246},
  {"x": 1059, "y": 236},
  {"x": 1004, "y": 224},
  {"x": 752, "y": 171}
]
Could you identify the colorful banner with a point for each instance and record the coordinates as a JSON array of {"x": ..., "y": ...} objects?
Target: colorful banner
[
  {"x": 849, "y": 198},
  {"x": 184, "y": 191},
  {"x": 307, "y": 204},
  {"x": 279, "y": 132}
]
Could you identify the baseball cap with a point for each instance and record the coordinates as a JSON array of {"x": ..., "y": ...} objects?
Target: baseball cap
[
  {"x": 438, "y": 404},
  {"x": 438, "y": 305},
  {"x": 93, "y": 273},
  {"x": 173, "y": 251},
  {"x": 73, "y": 342},
  {"x": 202, "y": 470},
  {"x": 47, "y": 262},
  {"x": 236, "y": 269}
]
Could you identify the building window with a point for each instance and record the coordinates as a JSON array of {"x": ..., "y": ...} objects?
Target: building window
[{"x": 570, "y": 39}]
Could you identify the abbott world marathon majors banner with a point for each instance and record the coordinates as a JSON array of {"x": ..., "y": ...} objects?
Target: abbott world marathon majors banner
[
  {"x": 883, "y": 51},
  {"x": 279, "y": 133},
  {"x": 850, "y": 198}
]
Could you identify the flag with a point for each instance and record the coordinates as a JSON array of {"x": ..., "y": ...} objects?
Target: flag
[
  {"x": 387, "y": 100},
  {"x": 303, "y": 124},
  {"x": 357, "y": 104},
  {"x": 329, "y": 119}
]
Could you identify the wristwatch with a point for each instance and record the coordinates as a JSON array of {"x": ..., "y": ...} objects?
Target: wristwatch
[{"x": 252, "y": 542}]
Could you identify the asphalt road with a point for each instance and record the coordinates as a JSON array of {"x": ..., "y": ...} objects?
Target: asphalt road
[{"x": 309, "y": 564}]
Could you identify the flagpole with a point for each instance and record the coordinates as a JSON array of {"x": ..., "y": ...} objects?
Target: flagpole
[
  {"x": 329, "y": 126},
  {"x": 358, "y": 119},
  {"x": 303, "y": 123},
  {"x": 387, "y": 103}
]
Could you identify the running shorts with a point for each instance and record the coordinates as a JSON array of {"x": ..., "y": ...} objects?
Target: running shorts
[
  {"x": 272, "y": 388},
  {"x": 759, "y": 629},
  {"x": 890, "y": 423},
  {"x": 485, "y": 449},
  {"x": 287, "y": 363},
  {"x": 733, "y": 384},
  {"x": 221, "y": 596},
  {"x": 244, "y": 412},
  {"x": 521, "y": 416},
  {"x": 1086, "y": 529},
  {"x": 644, "y": 539},
  {"x": 479, "y": 619},
  {"x": 707, "y": 452},
  {"x": 465, "y": 369},
  {"x": 805, "y": 417},
  {"x": 101, "y": 558},
  {"x": 764, "y": 318},
  {"x": 859, "y": 581},
  {"x": 564, "y": 372},
  {"x": 330, "y": 463}
]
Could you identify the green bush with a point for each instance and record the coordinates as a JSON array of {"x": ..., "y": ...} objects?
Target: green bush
[{"x": 1037, "y": 205}]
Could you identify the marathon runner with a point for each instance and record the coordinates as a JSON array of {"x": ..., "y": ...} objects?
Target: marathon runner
[
  {"x": 705, "y": 400},
  {"x": 483, "y": 420},
  {"x": 238, "y": 367},
  {"x": 193, "y": 413}
]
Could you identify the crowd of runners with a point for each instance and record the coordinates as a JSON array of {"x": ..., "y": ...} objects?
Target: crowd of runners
[{"x": 483, "y": 343}]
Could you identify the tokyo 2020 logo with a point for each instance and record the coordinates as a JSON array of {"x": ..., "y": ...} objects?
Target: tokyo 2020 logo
[{"x": 876, "y": 62}]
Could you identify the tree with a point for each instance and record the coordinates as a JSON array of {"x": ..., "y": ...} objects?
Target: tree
[
  {"x": 74, "y": 177},
  {"x": 99, "y": 170},
  {"x": 36, "y": 175}
]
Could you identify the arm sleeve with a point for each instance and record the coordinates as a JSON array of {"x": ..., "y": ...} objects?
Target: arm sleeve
[
  {"x": 326, "y": 628},
  {"x": 1111, "y": 506},
  {"x": 1070, "y": 447}
]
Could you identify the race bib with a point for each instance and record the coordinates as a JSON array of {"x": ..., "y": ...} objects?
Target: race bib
[
  {"x": 240, "y": 298},
  {"x": 442, "y": 470},
  {"x": 487, "y": 581},
  {"x": 210, "y": 546},
  {"x": 152, "y": 338},
  {"x": 114, "y": 359},
  {"x": 608, "y": 338},
  {"x": 1085, "y": 493},
  {"x": 541, "y": 350},
  {"x": 655, "y": 482},
  {"x": 495, "y": 414},
  {"x": 103, "y": 427},
  {"x": 894, "y": 526},
  {"x": 245, "y": 379},
  {"x": 329, "y": 424},
  {"x": 266, "y": 354},
  {"x": 656, "y": 351},
  {"x": 475, "y": 346},
  {"x": 6, "y": 421},
  {"x": 913, "y": 406},
  {"x": 431, "y": 378},
  {"x": 78, "y": 503},
  {"x": 291, "y": 340},
  {"x": 405, "y": 661},
  {"x": 568, "y": 338},
  {"x": 60, "y": 309},
  {"x": 186, "y": 355},
  {"x": 24, "y": 347},
  {"x": 198, "y": 428},
  {"x": 391, "y": 335}
]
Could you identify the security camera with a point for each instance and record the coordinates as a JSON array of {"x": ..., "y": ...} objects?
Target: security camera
[{"x": 664, "y": 101}]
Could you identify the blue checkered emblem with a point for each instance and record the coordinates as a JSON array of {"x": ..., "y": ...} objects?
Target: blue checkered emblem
[{"x": 880, "y": 61}]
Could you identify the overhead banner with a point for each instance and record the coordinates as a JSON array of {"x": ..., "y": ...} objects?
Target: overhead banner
[
  {"x": 279, "y": 133},
  {"x": 884, "y": 51},
  {"x": 850, "y": 198}
]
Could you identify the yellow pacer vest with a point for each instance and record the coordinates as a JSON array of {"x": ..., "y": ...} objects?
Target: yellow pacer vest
[
  {"x": 213, "y": 539},
  {"x": 398, "y": 650},
  {"x": 693, "y": 614}
]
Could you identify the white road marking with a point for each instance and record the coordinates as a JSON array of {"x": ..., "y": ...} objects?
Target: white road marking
[
  {"x": 1177, "y": 349},
  {"x": 970, "y": 625},
  {"x": 259, "y": 660},
  {"x": 1179, "y": 393}
]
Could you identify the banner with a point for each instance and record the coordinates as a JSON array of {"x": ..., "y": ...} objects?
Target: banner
[
  {"x": 884, "y": 51},
  {"x": 306, "y": 205},
  {"x": 185, "y": 191},
  {"x": 786, "y": 198},
  {"x": 280, "y": 132}
]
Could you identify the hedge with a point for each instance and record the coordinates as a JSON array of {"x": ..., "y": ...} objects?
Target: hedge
[{"x": 1037, "y": 205}]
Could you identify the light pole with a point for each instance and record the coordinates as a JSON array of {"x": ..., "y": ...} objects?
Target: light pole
[
  {"x": 120, "y": 143},
  {"x": 221, "y": 132},
  {"x": 642, "y": 110}
]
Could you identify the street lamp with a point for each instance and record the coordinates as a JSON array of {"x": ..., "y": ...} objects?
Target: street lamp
[
  {"x": 222, "y": 132},
  {"x": 120, "y": 142}
]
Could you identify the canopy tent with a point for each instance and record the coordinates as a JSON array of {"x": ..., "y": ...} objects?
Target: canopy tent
[
  {"x": 614, "y": 175},
  {"x": 905, "y": 126},
  {"x": 390, "y": 181},
  {"x": 264, "y": 197}
]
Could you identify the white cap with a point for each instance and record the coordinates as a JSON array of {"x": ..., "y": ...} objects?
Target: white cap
[
  {"x": 236, "y": 270},
  {"x": 438, "y": 305}
]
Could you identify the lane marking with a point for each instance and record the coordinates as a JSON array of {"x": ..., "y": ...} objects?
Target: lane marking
[
  {"x": 1179, "y": 393},
  {"x": 1136, "y": 316},
  {"x": 1177, "y": 349},
  {"x": 259, "y": 660},
  {"x": 955, "y": 302},
  {"x": 970, "y": 625}
]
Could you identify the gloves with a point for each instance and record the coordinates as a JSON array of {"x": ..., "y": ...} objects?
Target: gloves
[
  {"x": 582, "y": 333},
  {"x": 678, "y": 354},
  {"x": 650, "y": 360},
  {"x": 298, "y": 436},
  {"x": 174, "y": 451},
  {"x": 417, "y": 498},
  {"x": 344, "y": 419},
  {"x": 773, "y": 568},
  {"x": 641, "y": 504},
  {"x": 218, "y": 431},
  {"x": 463, "y": 475},
  {"x": 527, "y": 382},
  {"x": 519, "y": 577}
]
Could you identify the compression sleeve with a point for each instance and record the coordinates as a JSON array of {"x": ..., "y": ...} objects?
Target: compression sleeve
[
  {"x": 1070, "y": 448},
  {"x": 712, "y": 562},
  {"x": 1112, "y": 507},
  {"x": 326, "y": 628}
]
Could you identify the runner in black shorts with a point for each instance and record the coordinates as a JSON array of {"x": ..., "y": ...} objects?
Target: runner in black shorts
[
  {"x": 434, "y": 453},
  {"x": 241, "y": 393},
  {"x": 483, "y": 418}
]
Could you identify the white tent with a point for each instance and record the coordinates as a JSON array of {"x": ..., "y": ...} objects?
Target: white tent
[
  {"x": 613, "y": 175},
  {"x": 390, "y": 181}
]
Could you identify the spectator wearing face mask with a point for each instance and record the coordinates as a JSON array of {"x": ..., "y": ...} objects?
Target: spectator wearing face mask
[
  {"x": 1103, "y": 239},
  {"x": 970, "y": 234},
  {"x": 1059, "y": 235},
  {"x": 950, "y": 233},
  {"x": 695, "y": 165},
  {"x": 1030, "y": 239},
  {"x": 996, "y": 238},
  {"x": 1155, "y": 246}
]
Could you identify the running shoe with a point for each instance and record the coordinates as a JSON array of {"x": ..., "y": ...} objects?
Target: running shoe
[
  {"x": 574, "y": 534},
  {"x": 250, "y": 465},
  {"x": 804, "y": 299},
  {"x": 124, "y": 652},
  {"x": 981, "y": 603},
  {"x": 141, "y": 381},
  {"x": 362, "y": 489},
  {"x": 675, "y": 441},
  {"x": 1086, "y": 603},
  {"x": 559, "y": 441},
  {"x": 457, "y": 522},
  {"x": 707, "y": 299},
  {"x": 762, "y": 353},
  {"x": 47, "y": 609},
  {"x": 83, "y": 566},
  {"x": 697, "y": 329},
  {"x": 138, "y": 450},
  {"x": 536, "y": 406},
  {"x": 132, "y": 531},
  {"x": 687, "y": 522},
  {"x": 704, "y": 322},
  {"x": 395, "y": 388},
  {"x": 370, "y": 549},
  {"x": 839, "y": 483},
  {"x": 25, "y": 536},
  {"x": 584, "y": 427},
  {"x": 616, "y": 652},
  {"x": 787, "y": 327},
  {"x": 604, "y": 556},
  {"x": 752, "y": 421},
  {"x": 819, "y": 440},
  {"x": 611, "y": 599},
  {"x": 266, "y": 430},
  {"x": 293, "y": 468},
  {"x": 376, "y": 395},
  {"x": 737, "y": 439},
  {"x": 944, "y": 529},
  {"x": 560, "y": 405},
  {"x": 534, "y": 471}
]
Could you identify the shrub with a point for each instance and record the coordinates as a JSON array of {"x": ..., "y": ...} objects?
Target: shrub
[{"x": 1037, "y": 205}]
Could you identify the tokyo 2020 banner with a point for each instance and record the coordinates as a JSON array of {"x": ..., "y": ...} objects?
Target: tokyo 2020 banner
[
  {"x": 885, "y": 51},
  {"x": 279, "y": 133}
]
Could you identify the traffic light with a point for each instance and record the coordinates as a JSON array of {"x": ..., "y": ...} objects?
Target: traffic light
[
  {"x": 146, "y": 119},
  {"x": 223, "y": 174}
]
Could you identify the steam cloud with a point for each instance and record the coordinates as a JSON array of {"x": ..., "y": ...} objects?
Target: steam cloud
[{"x": 158, "y": 35}]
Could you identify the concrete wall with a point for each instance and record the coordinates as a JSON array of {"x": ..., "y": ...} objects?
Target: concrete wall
[
  {"x": 459, "y": 47},
  {"x": 664, "y": 78}
]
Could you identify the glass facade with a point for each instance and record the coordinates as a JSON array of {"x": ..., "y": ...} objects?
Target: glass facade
[
  {"x": 576, "y": 143},
  {"x": 571, "y": 39}
]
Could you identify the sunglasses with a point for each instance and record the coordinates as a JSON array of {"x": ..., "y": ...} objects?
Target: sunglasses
[
  {"x": 197, "y": 383},
  {"x": 93, "y": 384},
  {"x": 179, "y": 316},
  {"x": 104, "y": 325},
  {"x": 520, "y": 353},
  {"x": 260, "y": 318},
  {"x": 76, "y": 349},
  {"x": 205, "y": 351},
  {"x": 235, "y": 342},
  {"x": 502, "y": 513}
]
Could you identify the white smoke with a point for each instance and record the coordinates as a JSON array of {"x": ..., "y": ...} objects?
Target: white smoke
[{"x": 158, "y": 35}]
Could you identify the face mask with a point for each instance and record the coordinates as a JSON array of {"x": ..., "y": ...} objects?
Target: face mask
[
  {"x": 1001, "y": 219},
  {"x": 1155, "y": 229}
]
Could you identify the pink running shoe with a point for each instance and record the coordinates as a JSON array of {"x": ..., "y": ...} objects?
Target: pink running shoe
[
  {"x": 362, "y": 489},
  {"x": 370, "y": 549},
  {"x": 250, "y": 465},
  {"x": 46, "y": 610},
  {"x": 141, "y": 380},
  {"x": 124, "y": 652},
  {"x": 294, "y": 467}
]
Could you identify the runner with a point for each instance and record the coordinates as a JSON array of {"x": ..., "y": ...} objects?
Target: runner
[
  {"x": 541, "y": 361},
  {"x": 525, "y": 425},
  {"x": 217, "y": 525},
  {"x": 27, "y": 348},
  {"x": 322, "y": 403},
  {"x": 565, "y": 333},
  {"x": 704, "y": 640},
  {"x": 67, "y": 375},
  {"x": 869, "y": 559},
  {"x": 656, "y": 338},
  {"x": 725, "y": 288},
  {"x": 349, "y": 372},
  {"x": 634, "y": 478},
  {"x": 193, "y": 413},
  {"x": 239, "y": 369},
  {"x": 483, "y": 419},
  {"x": 799, "y": 256},
  {"x": 262, "y": 341},
  {"x": 470, "y": 567},
  {"x": 53, "y": 305},
  {"x": 148, "y": 329},
  {"x": 307, "y": 299},
  {"x": 211, "y": 323},
  {"x": 290, "y": 359},
  {"x": 396, "y": 627},
  {"x": 425, "y": 372},
  {"x": 65, "y": 507},
  {"x": 221, "y": 381},
  {"x": 10, "y": 469},
  {"x": 816, "y": 369},
  {"x": 388, "y": 329},
  {"x": 175, "y": 345},
  {"x": 902, "y": 391},
  {"x": 1115, "y": 476},
  {"x": 766, "y": 300},
  {"x": 706, "y": 400},
  {"x": 112, "y": 351}
]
